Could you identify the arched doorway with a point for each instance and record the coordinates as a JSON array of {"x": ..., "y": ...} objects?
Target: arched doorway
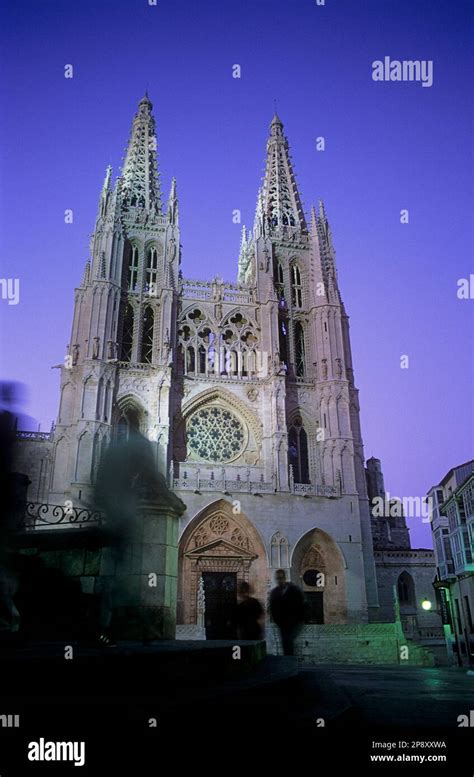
[
  {"x": 318, "y": 567},
  {"x": 218, "y": 549}
]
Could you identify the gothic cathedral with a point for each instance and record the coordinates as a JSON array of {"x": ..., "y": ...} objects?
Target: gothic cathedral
[{"x": 245, "y": 390}]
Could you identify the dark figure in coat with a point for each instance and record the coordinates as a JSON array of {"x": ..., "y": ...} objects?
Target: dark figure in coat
[
  {"x": 249, "y": 614},
  {"x": 287, "y": 610}
]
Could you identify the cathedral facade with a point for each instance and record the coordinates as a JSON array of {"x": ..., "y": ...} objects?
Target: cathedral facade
[{"x": 245, "y": 390}]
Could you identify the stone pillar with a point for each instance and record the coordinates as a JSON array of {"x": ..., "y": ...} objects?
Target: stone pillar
[{"x": 146, "y": 573}]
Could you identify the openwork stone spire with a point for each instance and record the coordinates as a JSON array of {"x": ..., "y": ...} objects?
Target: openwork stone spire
[
  {"x": 326, "y": 255},
  {"x": 281, "y": 200},
  {"x": 140, "y": 178}
]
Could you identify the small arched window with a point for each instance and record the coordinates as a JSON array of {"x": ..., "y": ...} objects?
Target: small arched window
[
  {"x": 100, "y": 391},
  {"x": 299, "y": 351},
  {"x": 296, "y": 287},
  {"x": 147, "y": 335},
  {"x": 107, "y": 401},
  {"x": 278, "y": 280},
  {"x": 298, "y": 451},
  {"x": 151, "y": 274},
  {"x": 406, "y": 589},
  {"x": 132, "y": 278},
  {"x": 283, "y": 339},
  {"x": 127, "y": 335}
]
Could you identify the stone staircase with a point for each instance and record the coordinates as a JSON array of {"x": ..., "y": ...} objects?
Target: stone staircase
[{"x": 369, "y": 643}]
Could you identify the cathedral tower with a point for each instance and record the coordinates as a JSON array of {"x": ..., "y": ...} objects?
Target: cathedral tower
[
  {"x": 305, "y": 324},
  {"x": 124, "y": 320}
]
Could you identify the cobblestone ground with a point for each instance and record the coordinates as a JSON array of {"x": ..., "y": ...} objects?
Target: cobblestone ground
[{"x": 350, "y": 718}]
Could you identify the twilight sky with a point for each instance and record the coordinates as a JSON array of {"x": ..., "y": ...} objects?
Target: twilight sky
[{"x": 389, "y": 146}]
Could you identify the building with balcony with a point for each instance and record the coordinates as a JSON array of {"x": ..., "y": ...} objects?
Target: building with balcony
[{"x": 452, "y": 511}]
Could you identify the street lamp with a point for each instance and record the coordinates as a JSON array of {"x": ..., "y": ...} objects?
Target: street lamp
[{"x": 426, "y": 604}]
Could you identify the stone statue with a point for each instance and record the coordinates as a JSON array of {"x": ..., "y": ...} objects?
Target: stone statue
[{"x": 172, "y": 250}]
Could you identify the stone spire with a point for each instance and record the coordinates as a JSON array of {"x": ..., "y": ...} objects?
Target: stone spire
[
  {"x": 281, "y": 200},
  {"x": 245, "y": 256},
  {"x": 259, "y": 225},
  {"x": 325, "y": 238},
  {"x": 140, "y": 179},
  {"x": 86, "y": 276},
  {"x": 106, "y": 192},
  {"x": 324, "y": 255}
]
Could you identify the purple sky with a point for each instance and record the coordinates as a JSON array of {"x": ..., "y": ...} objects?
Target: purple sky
[{"x": 388, "y": 146}]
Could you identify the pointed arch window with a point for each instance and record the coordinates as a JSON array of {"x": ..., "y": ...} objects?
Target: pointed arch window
[
  {"x": 283, "y": 339},
  {"x": 296, "y": 287},
  {"x": 202, "y": 359},
  {"x": 127, "y": 335},
  {"x": 147, "y": 335},
  {"x": 299, "y": 351},
  {"x": 132, "y": 277},
  {"x": 107, "y": 401},
  {"x": 406, "y": 589},
  {"x": 278, "y": 280},
  {"x": 100, "y": 391},
  {"x": 190, "y": 359},
  {"x": 129, "y": 421},
  {"x": 151, "y": 275},
  {"x": 95, "y": 457},
  {"x": 298, "y": 451}
]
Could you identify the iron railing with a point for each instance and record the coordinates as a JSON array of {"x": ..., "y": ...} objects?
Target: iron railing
[{"x": 41, "y": 516}]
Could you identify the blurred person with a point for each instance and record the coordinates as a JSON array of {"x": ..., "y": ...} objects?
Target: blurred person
[
  {"x": 287, "y": 610},
  {"x": 9, "y": 616},
  {"x": 127, "y": 473},
  {"x": 249, "y": 614}
]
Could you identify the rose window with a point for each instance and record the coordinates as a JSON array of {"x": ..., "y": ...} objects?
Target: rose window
[{"x": 215, "y": 434}]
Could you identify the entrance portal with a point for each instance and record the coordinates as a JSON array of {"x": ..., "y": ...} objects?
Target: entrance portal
[
  {"x": 218, "y": 550},
  {"x": 220, "y": 589}
]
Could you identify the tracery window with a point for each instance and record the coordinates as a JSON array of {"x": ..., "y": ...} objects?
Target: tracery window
[
  {"x": 132, "y": 278},
  {"x": 151, "y": 273},
  {"x": 215, "y": 435},
  {"x": 278, "y": 280},
  {"x": 229, "y": 351},
  {"x": 147, "y": 335},
  {"x": 299, "y": 350},
  {"x": 298, "y": 451},
  {"x": 296, "y": 287},
  {"x": 127, "y": 334}
]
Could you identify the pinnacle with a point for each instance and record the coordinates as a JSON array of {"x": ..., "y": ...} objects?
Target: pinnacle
[
  {"x": 276, "y": 120},
  {"x": 146, "y": 100}
]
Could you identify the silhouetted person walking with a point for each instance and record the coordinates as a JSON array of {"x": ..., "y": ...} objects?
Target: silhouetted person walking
[
  {"x": 287, "y": 610},
  {"x": 249, "y": 614},
  {"x": 127, "y": 474}
]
